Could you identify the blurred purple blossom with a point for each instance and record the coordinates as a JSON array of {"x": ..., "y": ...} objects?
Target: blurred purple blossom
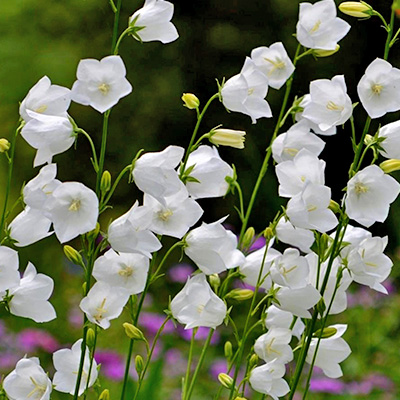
[
  {"x": 151, "y": 322},
  {"x": 366, "y": 297},
  {"x": 327, "y": 385},
  {"x": 218, "y": 367},
  {"x": 201, "y": 334},
  {"x": 180, "y": 272},
  {"x": 257, "y": 244},
  {"x": 33, "y": 339},
  {"x": 112, "y": 364}
]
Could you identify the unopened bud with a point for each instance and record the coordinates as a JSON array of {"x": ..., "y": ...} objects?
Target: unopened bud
[
  {"x": 227, "y": 137},
  {"x": 92, "y": 235},
  {"x": 333, "y": 206},
  {"x": 358, "y": 9},
  {"x": 132, "y": 332},
  {"x": 90, "y": 338},
  {"x": 215, "y": 281},
  {"x": 269, "y": 233},
  {"x": 253, "y": 361},
  {"x": 240, "y": 294},
  {"x": 369, "y": 139},
  {"x": 390, "y": 165},
  {"x": 4, "y": 145},
  {"x": 84, "y": 286},
  {"x": 190, "y": 101},
  {"x": 105, "y": 395},
  {"x": 228, "y": 350},
  {"x": 105, "y": 182},
  {"x": 225, "y": 380},
  {"x": 325, "y": 53},
  {"x": 73, "y": 255},
  {"x": 240, "y": 398},
  {"x": 326, "y": 333},
  {"x": 248, "y": 237},
  {"x": 139, "y": 364}
]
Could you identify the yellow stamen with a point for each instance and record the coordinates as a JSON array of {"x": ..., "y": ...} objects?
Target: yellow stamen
[
  {"x": 41, "y": 109},
  {"x": 359, "y": 188},
  {"x": 101, "y": 311},
  {"x": 125, "y": 271},
  {"x": 311, "y": 208},
  {"x": 291, "y": 151},
  {"x": 334, "y": 107},
  {"x": 277, "y": 64},
  {"x": 164, "y": 215},
  {"x": 75, "y": 205},
  {"x": 316, "y": 26},
  {"x": 104, "y": 88},
  {"x": 376, "y": 88}
]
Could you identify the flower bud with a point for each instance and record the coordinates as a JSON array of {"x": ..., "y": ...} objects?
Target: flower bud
[
  {"x": 240, "y": 398},
  {"x": 269, "y": 233},
  {"x": 228, "y": 350},
  {"x": 105, "y": 182},
  {"x": 4, "y": 145},
  {"x": 253, "y": 361},
  {"x": 225, "y": 380},
  {"x": 73, "y": 255},
  {"x": 227, "y": 137},
  {"x": 333, "y": 206},
  {"x": 390, "y": 165},
  {"x": 325, "y": 53},
  {"x": 215, "y": 281},
  {"x": 139, "y": 364},
  {"x": 105, "y": 395},
  {"x": 240, "y": 294},
  {"x": 90, "y": 338},
  {"x": 132, "y": 332},
  {"x": 369, "y": 139},
  {"x": 248, "y": 237},
  {"x": 326, "y": 333},
  {"x": 190, "y": 101},
  {"x": 84, "y": 286},
  {"x": 92, "y": 235},
  {"x": 356, "y": 9}
]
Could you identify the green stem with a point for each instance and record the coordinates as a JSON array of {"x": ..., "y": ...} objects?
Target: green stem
[
  {"x": 94, "y": 159},
  {"x": 102, "y": 150},
  {"x": 196, "y": 128},
  {"x": 389, "y": 36},
  {"x": 353, "y": 168},
  {"x": 189, "y": 364},
  {"x": 123, "y": 34},
  {"x": 91, "y": 360},
  {"x": 117, "y": 12}
]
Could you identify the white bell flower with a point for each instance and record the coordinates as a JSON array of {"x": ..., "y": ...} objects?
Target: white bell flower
[
  {"x": 213, "y": 248},
  {"x": 368, "y": 265},
  {"x": 73, "y": 208},
  {"x": 45, "y": 98},
  {"x": 309, "y": 209},
  {"x": 391, "y": 145},
  {"x": 49, "y": 135},
  {"x": 277, "y": 318},
  {"x": 66, "y": 362},
  {"x": 294, "y": 174},
  {"x": 274, "y": 62},
  {"x": 101, "y": 83},
  {"x": 154, "y": 19},
  {"x": 176, "y": 217},
  {"x": 331, "y": 352},
  {"x": 103, "y": 303},
  {"x": 154, "y": 173},
  {"x": 126, "y": 270},
  {"x": 369, "y": 195},
  {"x": 197, "y": 305},
  {"x": 9, "y": 263},
  {"x": 329, "y": 103},
  {"x": 29, "y": 227},
  {"x": 298, "y": 137},
  {"x": 130, "y": 234},
  {"x": 28, "y": 381},
  {"x": 296, "y": 237},
  {"x": 30, "y": 297},
  {"x": 318, "y": 26},
  {"x": 210, "y": 171},
  {"x": 274, "y": 345},
  {"x": 268, "y": 379},
  {"x": 245, "y": 92},
  {"x": 378, "y": 89},
  {"x": 252, "y": 266}
]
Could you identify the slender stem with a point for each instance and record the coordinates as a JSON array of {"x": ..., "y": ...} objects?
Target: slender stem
[
  {"x": 353, "y": 167},
  {"x": 91, "y": 361},
  {"x": 389, "y": 36},
  {"x": 102, "y": 150},
  {"x": 240, "y": 194},
  {"x": 189, "y": 364},
  {"x": 170, "y": 250},
  {"x": 123, "y": 34},
  {"x": 94, "y": 159},
  {"x": 196, "y": 128},
  {"x": 117, "y": 12}
]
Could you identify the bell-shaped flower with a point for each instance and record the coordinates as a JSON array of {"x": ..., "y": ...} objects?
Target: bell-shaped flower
[
  {"x": 268, "y": 379},
  {"x": 251, "y": 268},
  {"x": 176, "y": 217},
  {"x": 277, "y": 318},
  {"x": 45, "y": 98},
  {"x": 73, "y": 208},
  {"x": 390, "y": 145},
  {"x": 29, "y": 227},
  {"x": 197, "y": 305},
  {"x": 294, "y": 174},
  {"x": 329, "y": 103},
  {"x": 331, "y": 351},
  {"x": 296, "y": 237},
  {"x": 130, "y": 234},
  {"x": 368, "y": 265},
  {"x": 104, "y": 303},
  {"x": 213, "y": 248},
  {"x": 9, "y": 263},
  {"x": 101, "y": 83},
  {"x": 245, "y": 92},
  {"x": 274, "y": 62},
  {"x": 30, "y": 298},
  {"x": 28, "y": 381},
  {"x": 379, "y": 88},
  {"x": 153, "y": 22},
  {"x": 49, "y": 135},
  {"x": 298, "y": 137},
  {"x": 209, "y": 172},
  {"x": 154, "y": 173},
  {"x": 66, "y": 363},
  {"x": 126, "y": 270},
  {"x": 309, "y": 209},
  {"x": 318, "y": 26},
  {"x": 274, "y": 345},
  {"x": 369, "y": 195},
  {"x": 227, "y": 137}
]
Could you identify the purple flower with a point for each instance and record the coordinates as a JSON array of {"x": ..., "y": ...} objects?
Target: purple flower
[
  {"x": 201, "y": 334},
  {"x": 32, "y": 339},
  {"x": 327, "y": 385},
  {"x": 174, "y": 357},
  {"x": 180, "y": 272},
  {"x": 151, "y": 322},
  {"x": 112, "y": 364},
  {"x": 257, "y": 244},
  {"x": 218, "y": 367}
]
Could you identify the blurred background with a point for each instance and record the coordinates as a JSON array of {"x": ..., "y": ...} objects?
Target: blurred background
[{"x": 49, "y": 38}]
